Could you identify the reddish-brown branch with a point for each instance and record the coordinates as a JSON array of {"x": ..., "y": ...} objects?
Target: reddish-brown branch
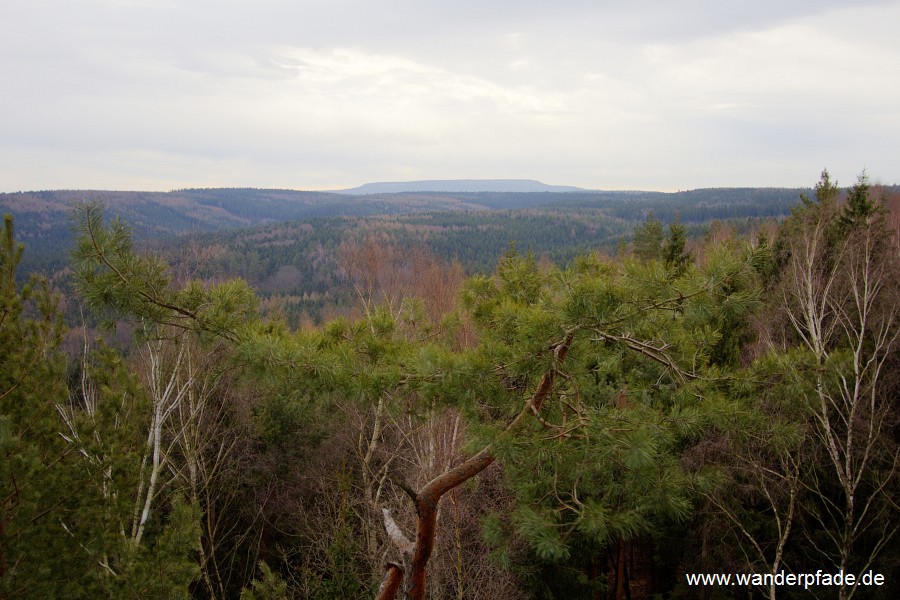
[
  {"x": 393, "y": 577},
  {"x": 427, "y": 499},
  {"x": 426, "y": 519}
]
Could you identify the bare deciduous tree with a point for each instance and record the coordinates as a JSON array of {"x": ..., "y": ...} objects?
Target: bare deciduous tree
[
  {"x": 840, "y": 299},
  {"x": 776, "y": 480}
]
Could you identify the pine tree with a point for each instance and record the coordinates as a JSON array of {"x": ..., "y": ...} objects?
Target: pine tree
[
  {"x": 648, "y": 238},
  {"x": 860, "y": 208},
  {"x": 40, "y": 516},
  {"x": 674, "y": 252}
]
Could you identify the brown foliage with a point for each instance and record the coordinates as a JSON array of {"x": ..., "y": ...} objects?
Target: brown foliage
[{"x": 383, "y": 272}]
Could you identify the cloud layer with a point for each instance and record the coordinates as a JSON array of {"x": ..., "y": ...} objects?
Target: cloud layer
[{"x": 131, "y": 94}]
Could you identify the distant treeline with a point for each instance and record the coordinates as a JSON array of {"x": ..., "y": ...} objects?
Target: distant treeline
[
  {"x": 286, "y": 243},
  {"x": 302, "y": 260}
]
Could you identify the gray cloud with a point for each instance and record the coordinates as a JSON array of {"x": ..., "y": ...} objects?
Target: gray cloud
[{"x": 160, "y": 94}]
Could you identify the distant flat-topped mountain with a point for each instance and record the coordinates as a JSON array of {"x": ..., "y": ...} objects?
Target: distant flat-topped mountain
[{"x": 458, "y": 185}]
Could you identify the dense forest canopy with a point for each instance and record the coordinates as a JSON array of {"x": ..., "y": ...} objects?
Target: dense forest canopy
[
  {"x": 632, "y": 395},
  {"x": 43, "y": 218}
]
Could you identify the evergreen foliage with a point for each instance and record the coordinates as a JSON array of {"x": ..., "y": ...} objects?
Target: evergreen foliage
[
  {"x": 36, "y": 474},
  {"x": 859, "y": 207},
  {"x": 66, "y": 489},
  {"x": 268, "y": 587},
  {"x": 648, "y": 238},
  {"x": 674, "y": 253},
  {"x": 111, "y": 276}
]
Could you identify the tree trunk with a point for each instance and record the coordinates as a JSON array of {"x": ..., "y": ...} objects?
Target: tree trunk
[{"x": 622, "y": 574}]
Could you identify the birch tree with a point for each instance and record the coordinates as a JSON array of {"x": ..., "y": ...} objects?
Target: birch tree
[
  {"x": 120, "y": 430},
  {"x": 839, "y": 295},
  {"x": 764, "y": 457}
]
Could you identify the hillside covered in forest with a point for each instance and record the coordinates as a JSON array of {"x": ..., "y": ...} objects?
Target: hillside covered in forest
[{"x": 552, "y": 223}]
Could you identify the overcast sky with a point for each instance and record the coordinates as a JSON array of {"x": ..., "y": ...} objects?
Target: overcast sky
[{"x": 603, "y": 94}]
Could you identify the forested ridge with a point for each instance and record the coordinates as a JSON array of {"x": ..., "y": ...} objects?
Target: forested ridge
[
  {"x": 295, "y": 265},
  {"x": 587, "y": 398},
  {"x": 43, "y": 218}
]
